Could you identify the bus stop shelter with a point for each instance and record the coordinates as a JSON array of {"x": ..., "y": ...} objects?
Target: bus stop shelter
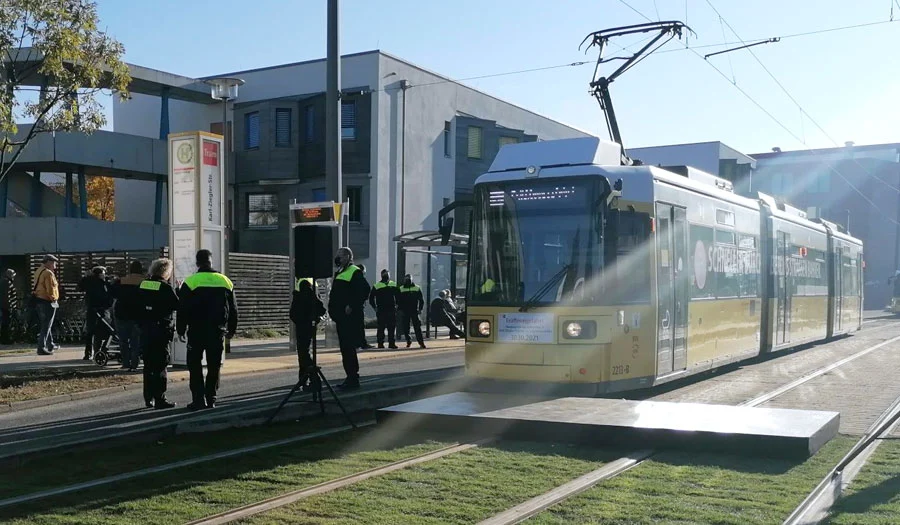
[{"x": 426, "y": 242}]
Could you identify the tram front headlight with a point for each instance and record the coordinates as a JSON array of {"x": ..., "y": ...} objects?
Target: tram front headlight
[
  {"x": 573, "y": 329},
  {"x": 480, "y": 328}
]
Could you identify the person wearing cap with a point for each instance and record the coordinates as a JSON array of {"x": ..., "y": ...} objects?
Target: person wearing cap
[
  {"x": 46, "y": 296},
  {"x": 306, "y": 310},
  {"x": 158, "y": 301},
  {"x": 383, "y": 299},
  {"x": 207, "y": 313},
  {"x": 97, "y": 299},
  {"x": 349, "y": 291},
  {"x": 9, "y": 303},
  {"x": 410, "y": 304}
]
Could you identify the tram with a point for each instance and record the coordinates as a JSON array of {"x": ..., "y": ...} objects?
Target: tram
[{"x": 606, "y": 278}]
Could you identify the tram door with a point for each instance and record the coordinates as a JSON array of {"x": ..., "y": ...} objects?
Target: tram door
[
  {"x": 783, "y": 289},
  {"x": 838, "y": 290},
  {"x": 672, "y": 288}
]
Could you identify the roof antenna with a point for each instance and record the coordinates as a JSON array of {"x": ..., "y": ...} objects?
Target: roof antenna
[{"x": 600, "y": 84}]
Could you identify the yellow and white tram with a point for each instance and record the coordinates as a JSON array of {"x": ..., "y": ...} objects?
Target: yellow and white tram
[{"x": 612, "y": 278}]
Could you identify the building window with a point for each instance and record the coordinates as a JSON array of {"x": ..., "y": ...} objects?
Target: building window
[
  {"x": 319, "y": 194},
  {"x": 508, "y": 140},
  {"x": 251, "y": 130},
  {"x": 354, "y": 197},
  {"x": 474, "y": 142},
  {"x": 262, "y": 211},
  {"x": 348, "y": 120},
  {"x": 310, "y": 123},
  {"x": 447, "y": 139},
  {"x": 282, "y": 127}
]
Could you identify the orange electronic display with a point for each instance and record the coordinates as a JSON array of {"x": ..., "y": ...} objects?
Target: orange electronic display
[{"x": 318, "y": 214}]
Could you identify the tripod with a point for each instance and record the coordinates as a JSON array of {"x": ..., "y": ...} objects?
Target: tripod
[{"x": 313, "y": 373}]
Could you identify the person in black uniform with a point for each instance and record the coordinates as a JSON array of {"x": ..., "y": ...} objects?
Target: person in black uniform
[
  {"x": 383, "y": 299},
  {"x": 207, "y": 312},
  {"x": 410, "y": 305},
  {"x": 349, "y": 291},
  {"x": 306, "y": 310},
  {"x": 158, "y": 302},
  {"x": 97, "y": 299}
]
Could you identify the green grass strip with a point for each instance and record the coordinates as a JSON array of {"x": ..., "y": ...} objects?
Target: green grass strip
[
  {"x": 874, "y": 496},
  {"x": 681, "y": 487},
  {"x": 201, "y": 490},
  {"x": 463, "y": 488}
]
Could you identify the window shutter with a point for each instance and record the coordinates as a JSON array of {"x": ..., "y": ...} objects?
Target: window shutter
[
  {"x": 282, "y": 127},
  {"x": 251, "y": 127},
  {"x": 348, "y": 120},
  {"x": 508, "y": 140},
  {"x": 474, "y": 142}
]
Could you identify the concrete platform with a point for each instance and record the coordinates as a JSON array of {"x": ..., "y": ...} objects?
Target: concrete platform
[{"x": 643, "y": 424}]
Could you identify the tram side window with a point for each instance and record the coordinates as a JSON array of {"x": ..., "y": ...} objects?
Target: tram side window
[
  {"x": 849, "y": 278},
  {"x": 628, "y": 252},
  {"x": 725, "y": 264},
  {"x": 748, "y": 266}
]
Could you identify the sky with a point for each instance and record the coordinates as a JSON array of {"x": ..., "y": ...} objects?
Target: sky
[{"x": 845, "y": 82}]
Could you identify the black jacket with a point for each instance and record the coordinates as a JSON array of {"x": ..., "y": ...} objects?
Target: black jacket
[
  {"x": 305, "y": 306},
  {"x": 411, "y": 299},
  {"x": 384, "y": 295},
  {"x": 125, "y": 292},
  {"x": 206, "y": 303},
  {"x": 441, "y": 312},
  {"x": 96, "y": 292},
  {"x": 348, "y": 288},
  {"x": 158, "y": 302}
]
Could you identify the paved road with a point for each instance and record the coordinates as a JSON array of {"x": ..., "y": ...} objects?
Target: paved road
[{"x": 125, "y": 409}]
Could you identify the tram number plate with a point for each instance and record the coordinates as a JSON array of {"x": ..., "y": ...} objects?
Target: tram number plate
[
  {"x": 620, "y": 370},
  {"x": 525, "y": 328}
]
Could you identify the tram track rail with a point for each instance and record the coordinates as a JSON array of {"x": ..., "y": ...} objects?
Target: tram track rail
[
  {"x": 538, "y": 504},
  {"x": 515, "y": 514}
]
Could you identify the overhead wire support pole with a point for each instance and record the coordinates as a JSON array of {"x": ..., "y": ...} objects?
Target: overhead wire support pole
[
  {"x": 600, "y": 84},
  {"x": 769, "y": 41}
]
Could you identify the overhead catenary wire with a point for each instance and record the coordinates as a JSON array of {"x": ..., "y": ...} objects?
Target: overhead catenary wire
[{"x": 771, "y": 116}]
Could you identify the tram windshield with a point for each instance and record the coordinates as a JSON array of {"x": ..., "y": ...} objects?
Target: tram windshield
[{"x": 524, "y": 233}]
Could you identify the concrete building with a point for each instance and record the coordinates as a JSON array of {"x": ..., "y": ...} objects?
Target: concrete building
[
  {"x": 712, "y": 157},
  {"x": 854, "y": 186},
  {"x": 413, "y": 141}
]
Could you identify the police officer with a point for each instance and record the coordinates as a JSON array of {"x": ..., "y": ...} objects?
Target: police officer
[
  {"x": 411, "y": 303},
  {"x": 207, "y": 313},
  {"x": 349, "y": 291},
  {"x": 306, "y": 310},
  {"x": 158, "y": 301},
  {"x": 383, "y": 299}
]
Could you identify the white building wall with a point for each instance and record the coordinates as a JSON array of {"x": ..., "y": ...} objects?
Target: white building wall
[{"x": 429, "y": 175}]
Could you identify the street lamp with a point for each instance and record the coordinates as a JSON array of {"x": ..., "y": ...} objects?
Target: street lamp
[{"x": 224, "y": 89}]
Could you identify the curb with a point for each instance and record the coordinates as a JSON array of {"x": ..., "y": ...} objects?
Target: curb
[{"x": 17, "y": 406}]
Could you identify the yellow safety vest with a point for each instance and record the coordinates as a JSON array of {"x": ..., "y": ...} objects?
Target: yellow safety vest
[
  {"x": 390, "y": 284},
  {"x": 208, "y": 280},
  {"x": 488, "y": 286},
  {"x": 347, "y": 274},
  {"x": 407, "y": 289}
]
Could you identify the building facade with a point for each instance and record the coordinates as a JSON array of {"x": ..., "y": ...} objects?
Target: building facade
[{"x": 412, "y": 141}]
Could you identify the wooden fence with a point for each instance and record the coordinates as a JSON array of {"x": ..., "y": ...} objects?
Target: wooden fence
[{"x": 261, "y": 282}]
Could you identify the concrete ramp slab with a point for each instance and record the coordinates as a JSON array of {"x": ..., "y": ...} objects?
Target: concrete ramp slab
[{"x": 617, "y": 422}]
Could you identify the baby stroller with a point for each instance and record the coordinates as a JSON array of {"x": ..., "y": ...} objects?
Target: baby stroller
[{"x": 104, "y": 338}]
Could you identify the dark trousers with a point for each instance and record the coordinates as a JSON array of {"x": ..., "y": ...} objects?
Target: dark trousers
[
  {"x": 5, "y": 322},
  {"x": 46, "y": 313},
  {"x": 91, "y": 341},
  {"x": 405, "y": 320},
  {"x": 129, "y": 342},
  {"x": 348, "y": 337},
  {"x": 212, "y": 343},
  {"x": 454, "y": 330},
  {"x": 304, "y": 340},
  {"x": 387, "y": 321},
  {"x": 156, "y": 342}
]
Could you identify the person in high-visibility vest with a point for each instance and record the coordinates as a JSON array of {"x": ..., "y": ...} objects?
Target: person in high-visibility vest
[
  {"x": 383, "y": 299},
  {"x": 411, "y": 303},
  {"x": 208, "y": 313},
  {"x": 306, "y": 310},
  {"x": 349, "y": 291},
  {"x": 157, "y": 301}
]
